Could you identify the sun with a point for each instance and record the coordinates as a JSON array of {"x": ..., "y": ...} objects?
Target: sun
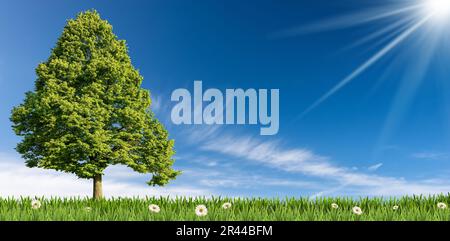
[{"x": 438, "y": 9}]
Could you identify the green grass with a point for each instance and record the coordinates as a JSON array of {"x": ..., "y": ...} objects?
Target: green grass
[{"x": 410, "y": 208}]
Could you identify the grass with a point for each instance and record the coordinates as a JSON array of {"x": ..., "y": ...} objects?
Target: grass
[{"x": 260, "y": 209}]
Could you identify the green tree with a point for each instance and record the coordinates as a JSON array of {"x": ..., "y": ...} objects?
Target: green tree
[{"x": 88, "y": 110}]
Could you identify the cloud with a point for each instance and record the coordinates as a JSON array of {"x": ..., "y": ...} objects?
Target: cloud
[
  {"x": 327, "y": 192},
  {"x": 194, "y": 134},
  {"x": 306, "y": 162},
  {"x": 156, "y": 103},
  {"x": 431, "y": 156},
  {"x": 233, "y": 178},
  {"x": 329, "y": 178},
  {"x": 268, "y": 153},
  {"x": 375, "y": 167},
  {"x": 17, "y": 180}
]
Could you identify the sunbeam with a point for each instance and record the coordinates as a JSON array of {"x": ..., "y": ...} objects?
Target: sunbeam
[
  {"x": 438, "y": 11},
  {"x": 394, "y": 28},
  {"x": 366, "y": 64},
  {"x": 350, "y": 20}
]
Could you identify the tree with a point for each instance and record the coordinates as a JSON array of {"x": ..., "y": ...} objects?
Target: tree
[{"x": 88, "y": 110}]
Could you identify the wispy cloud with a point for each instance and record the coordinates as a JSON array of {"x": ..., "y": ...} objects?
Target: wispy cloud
[
  {"x": 431, "y": 155},
  {"x": 156, "y": 103},
  {"x": 199, "y": 133},
  {"x": 375, "y": 167},
  {"x": 306, "y": 162},
  {"x": 233, "y": 178}
]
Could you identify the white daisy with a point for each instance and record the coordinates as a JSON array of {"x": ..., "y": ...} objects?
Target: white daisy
[
  {"x": 442, "y": 205},
  {"x": 395, "y": 207},
  {"x": 201, "y": 210},
  {"x": 226, "y": 205},
  {"x": 154, "y": 208},
  {"x": 35, "y": 204},
  {"x": 357, "y": 210},
  {"x": 334, "y": 206}
]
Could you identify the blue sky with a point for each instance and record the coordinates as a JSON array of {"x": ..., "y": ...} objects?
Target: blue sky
[{"x": 386, "y": 132}]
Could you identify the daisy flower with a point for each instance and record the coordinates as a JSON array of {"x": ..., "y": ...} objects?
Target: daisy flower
[
  {"x": 154, "y": 208},
  {"x": 442, "y": 205},
  {"x": 334, "y": 206},
  {"x": 357, "y": 210},
  {"x": 226, "y": 205},
  {"x": 395, "y": 207},
  {"x": 201, "y": 210},
  {"x": 35, "y": 204}
]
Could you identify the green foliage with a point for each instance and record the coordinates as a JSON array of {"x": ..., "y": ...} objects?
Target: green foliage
[
  {"x": 253, "y": 209},
  {"x": 88, "y": 109}
]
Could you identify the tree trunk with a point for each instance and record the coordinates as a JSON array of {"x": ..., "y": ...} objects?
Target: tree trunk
[{"x": 98, "y": 191}]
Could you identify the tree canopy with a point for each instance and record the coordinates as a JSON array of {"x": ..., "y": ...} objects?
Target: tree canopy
[{"x": 88, "y": 110}]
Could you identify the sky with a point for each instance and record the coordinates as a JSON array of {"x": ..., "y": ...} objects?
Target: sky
[{"x": 364, "y": 94}]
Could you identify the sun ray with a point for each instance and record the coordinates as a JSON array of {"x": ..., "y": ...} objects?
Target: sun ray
[
  {"x": 405, "y": 34},
  {"x": 409, "y": 86},
  {"x": 393, "y": 28},
  {"x": 350, "y": 20},
  {"x": 388, "y": 37}
]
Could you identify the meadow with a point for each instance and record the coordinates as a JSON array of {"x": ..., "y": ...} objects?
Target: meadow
[{"x": 432, "y": 208}]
